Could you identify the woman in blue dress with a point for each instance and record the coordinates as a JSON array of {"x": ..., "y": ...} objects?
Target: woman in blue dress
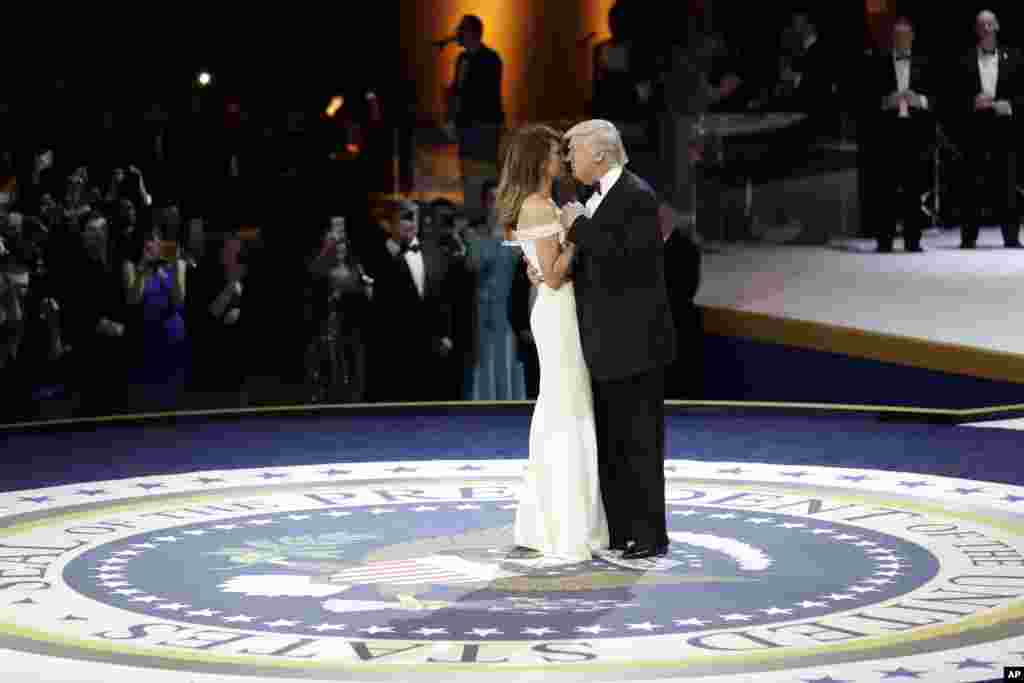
[
  {"x": 497, "y": 374},
  {"x": 154, "y": 282}
]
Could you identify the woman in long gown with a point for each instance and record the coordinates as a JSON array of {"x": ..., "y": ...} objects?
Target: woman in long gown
[{"x": 560, "y": 513}]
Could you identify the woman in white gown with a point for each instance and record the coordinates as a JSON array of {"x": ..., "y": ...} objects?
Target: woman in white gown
[{"x": 560, "y": 513}]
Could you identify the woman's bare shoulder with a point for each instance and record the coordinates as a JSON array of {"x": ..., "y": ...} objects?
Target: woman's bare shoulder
[{"x": 536, "y": 201}]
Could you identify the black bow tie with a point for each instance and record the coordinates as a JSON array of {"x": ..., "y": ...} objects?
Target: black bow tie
[
  {"x": 988, "y": 53},
  {"x": 587, "y": 191},
  {"x": 902, "y": 56},
  {"x": 414, "y": 248}
]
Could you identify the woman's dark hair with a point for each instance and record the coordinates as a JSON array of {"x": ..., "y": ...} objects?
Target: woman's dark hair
[{"x": 527, "y": 151}]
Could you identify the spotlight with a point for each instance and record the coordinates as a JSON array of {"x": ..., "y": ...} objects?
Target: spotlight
[
  {"x": 336, "y": 103},
  {"x": 204, "y": 78}
]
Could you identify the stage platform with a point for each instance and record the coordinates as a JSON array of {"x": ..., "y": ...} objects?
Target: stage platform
[
  {"x": 947, "y": 309},
  {"x": 373, "y": 543}
]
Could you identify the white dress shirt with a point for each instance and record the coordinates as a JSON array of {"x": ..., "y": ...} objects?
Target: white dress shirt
[
  {"x": 902, "y": 70},
  {"x": 988, "y": 69},
  {"x": 415, "y": 261},
  {"x": 902, "y": 67},
  {"x": 606, "y": 183}
]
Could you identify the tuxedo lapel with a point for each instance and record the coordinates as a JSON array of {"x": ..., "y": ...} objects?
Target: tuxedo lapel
[
  {"x": 430, "y": 267},
  {"x": 974, "y": 70},
  {"x": 406, "y": 273},
  {"x": 613, "y": 195},
  {"x": 892, "y": 80},
  {"x": 888, "y": 72},
  {"x": 916, "y": 68},
  {"x": 1007, "y": 69},
  {"x": 404, "y": 280}
]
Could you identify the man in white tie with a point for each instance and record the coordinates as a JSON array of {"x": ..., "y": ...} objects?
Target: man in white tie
[
  {"x": 898, "y": 139},
  {"x": 993, "y": 92}
]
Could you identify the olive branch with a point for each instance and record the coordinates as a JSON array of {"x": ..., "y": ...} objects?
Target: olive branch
[{"x": 322, "y": 547}]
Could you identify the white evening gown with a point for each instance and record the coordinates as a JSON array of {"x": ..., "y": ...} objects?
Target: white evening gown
[{"x": 560, "y": 513}]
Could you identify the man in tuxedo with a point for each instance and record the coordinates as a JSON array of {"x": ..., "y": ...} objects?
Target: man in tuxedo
[
  {"x": 990, "y": 98},
  {"x": 627, "y": 333},
  {"x": 413, "y": 312},
  {"x": 809, "y": 76},
  {"x": 898, "y": 104}
]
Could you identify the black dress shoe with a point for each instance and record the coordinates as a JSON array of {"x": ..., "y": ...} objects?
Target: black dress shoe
[
  {"x": 640, "y": 552},
  {"x": 916, "y": 248}
]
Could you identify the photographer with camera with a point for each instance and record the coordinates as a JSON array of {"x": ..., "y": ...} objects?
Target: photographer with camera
[
  {"x": 340, "y": 293},
  {"x": 31, "y": 345},
  {"x": 217, "y": 326},
  {"x": 128, "y": 184}
]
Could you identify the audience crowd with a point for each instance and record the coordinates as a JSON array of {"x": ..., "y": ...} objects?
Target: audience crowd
[{"x": 114, "y": 298}]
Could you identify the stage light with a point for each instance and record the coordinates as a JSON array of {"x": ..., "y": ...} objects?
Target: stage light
[
  {"x": 336, "y": 103},
  {"x": 204, "y": 78}
]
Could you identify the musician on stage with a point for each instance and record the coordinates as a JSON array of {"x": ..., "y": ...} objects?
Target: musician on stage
[
  {"x": 899, "y": 137},
  {"x": 475, "y": 113}
]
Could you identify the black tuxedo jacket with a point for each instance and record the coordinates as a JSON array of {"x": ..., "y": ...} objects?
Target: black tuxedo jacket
[
  {"x": 625, "y": 319},
  {"x": 879, "y": 81},
  {"x": 820, "y": 69},
  {"x": 405, "y": 318},
  {"x": 967, "y": 84}
]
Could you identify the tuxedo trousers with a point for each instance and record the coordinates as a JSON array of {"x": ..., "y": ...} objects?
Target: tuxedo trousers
[
  {"x": 990, "y": 164},
  {"x": 902, "y": 173},
  {"x": 629, "y": 416}
]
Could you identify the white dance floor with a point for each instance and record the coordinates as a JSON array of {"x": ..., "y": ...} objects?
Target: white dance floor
[{"x": 946, "y": 295}]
